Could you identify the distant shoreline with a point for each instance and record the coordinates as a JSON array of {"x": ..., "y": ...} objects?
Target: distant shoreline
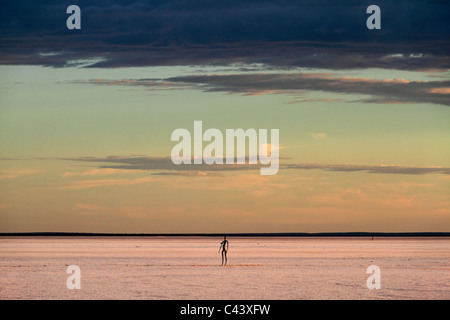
[{"x": 285, "y": 234}]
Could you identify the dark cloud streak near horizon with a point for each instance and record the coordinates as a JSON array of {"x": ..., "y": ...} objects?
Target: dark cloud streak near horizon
[
  {"x": 165, "y": 163},
  {"x": 287, "y": 33}
]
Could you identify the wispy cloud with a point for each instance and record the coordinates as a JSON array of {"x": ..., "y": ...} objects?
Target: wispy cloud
[
  {"x": 90, "y": 207},
  {"x": 11, "y": 174},
  {"x": 318, "y": 135},
  {"x": 379, "y": 91},
  {"x": 384, "y": 169},
  {"x": 87, "y": 184},
  {"x": 393, "y": 90},
  {"x": 127, "y": 211},
  {"x": 93, "y": 172},
  {"x": 186, "y": 173}
]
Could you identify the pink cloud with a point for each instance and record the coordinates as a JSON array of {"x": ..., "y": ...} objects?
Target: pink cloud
[
  {"x": 440, "y": 90},
  {"x": 11, "y": 174},
  {"x": 105, "y": 183},
  {"x": 318, "y": 135}
]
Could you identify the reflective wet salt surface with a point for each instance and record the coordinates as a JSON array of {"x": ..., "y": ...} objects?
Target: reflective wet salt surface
[{"x": 190, "y": 268}]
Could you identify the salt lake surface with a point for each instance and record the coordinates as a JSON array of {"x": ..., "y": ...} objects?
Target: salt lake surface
[{"x": 190, "y": 268}]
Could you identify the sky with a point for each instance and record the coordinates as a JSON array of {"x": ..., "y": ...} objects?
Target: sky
[{"x": 86, "y": 116}]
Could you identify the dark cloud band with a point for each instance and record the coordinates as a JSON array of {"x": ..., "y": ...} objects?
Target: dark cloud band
[
  {"x": 164, "y": 166},
  {"x": 321, "y": 34},
  {"x": 379, "y": 91}
]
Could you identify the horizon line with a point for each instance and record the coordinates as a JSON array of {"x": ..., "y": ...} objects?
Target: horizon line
[{"x": 236, "y": 234}]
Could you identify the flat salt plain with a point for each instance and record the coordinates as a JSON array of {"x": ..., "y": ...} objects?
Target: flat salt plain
[{"x": 274, "y": 268}]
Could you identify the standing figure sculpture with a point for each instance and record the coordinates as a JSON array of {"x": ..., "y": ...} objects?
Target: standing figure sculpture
[{"x": 224, "y": 247}]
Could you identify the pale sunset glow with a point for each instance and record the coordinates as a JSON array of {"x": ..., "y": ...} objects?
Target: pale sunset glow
[{"x": 86, "y": 118}]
